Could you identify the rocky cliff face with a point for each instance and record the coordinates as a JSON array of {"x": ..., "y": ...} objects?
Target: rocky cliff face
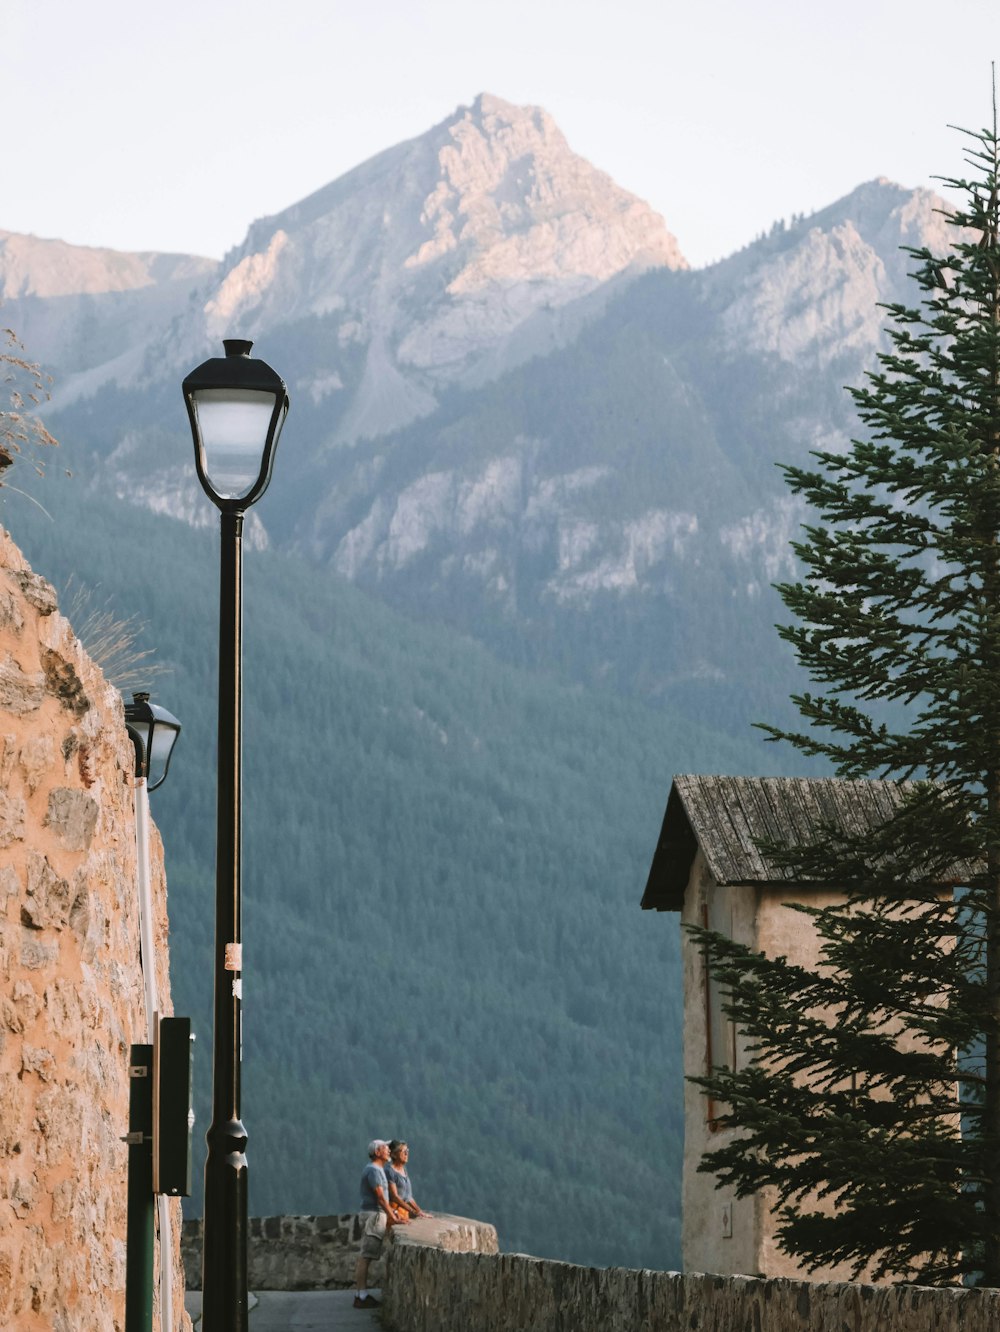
[
  {"x": 445, "y": 259},
  {"x": 810, "y": 292},
  {"x": 32, "y": 266},
  {"x": 90, "y": 312},
  {"x": 514, "y": 406},
  {"x": 629, "y": 476},
  {"x": 71, "y": 997},
  {"x": 428, "y": 259}
]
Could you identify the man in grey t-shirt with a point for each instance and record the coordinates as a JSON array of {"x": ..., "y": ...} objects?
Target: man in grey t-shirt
[{"x": 377, "y": 1217}]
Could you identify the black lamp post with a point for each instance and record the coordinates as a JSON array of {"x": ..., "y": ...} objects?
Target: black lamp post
[{"x": 237, "y": 407}]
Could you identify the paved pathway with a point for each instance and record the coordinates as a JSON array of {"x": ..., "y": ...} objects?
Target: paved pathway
[{"x": 299, "y": 1311}]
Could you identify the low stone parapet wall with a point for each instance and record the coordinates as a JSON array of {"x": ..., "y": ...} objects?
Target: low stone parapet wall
[
  {"x": 430, "y": 1291},
  {"x": 319, "y": 1252}
]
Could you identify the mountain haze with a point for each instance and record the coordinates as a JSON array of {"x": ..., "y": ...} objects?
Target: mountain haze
[
  {"x": 517, "y": 410},
  {"x": 424, "y": 261},
  {"x": 431, "y": 258},
  {"x": 513, "y": 569},
  {"x": 78, "y": 307},
  {"x": 443, "y": 857}
]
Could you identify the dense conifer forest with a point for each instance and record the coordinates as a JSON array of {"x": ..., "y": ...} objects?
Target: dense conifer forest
[{"x": 443, "y": 862}]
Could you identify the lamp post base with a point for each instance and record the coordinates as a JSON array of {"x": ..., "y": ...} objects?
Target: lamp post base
[{"x": 224, "y": 1261}]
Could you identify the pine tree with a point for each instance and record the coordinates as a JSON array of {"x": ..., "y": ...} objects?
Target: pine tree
[{"x": 898, "y": 626}]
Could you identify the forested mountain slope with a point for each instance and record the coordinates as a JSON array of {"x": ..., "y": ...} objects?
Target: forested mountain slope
[
  {"x": 513, "y": 571},
  {"x": 444, "y": 858}
]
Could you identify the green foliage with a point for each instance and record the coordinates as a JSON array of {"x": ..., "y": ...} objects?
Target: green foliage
[
  {"x": 443, "y": 861},
  {"x": 898, "y": 623}
]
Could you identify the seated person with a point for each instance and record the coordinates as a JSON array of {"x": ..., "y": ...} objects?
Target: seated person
[{"x": 401, "y": 1197}]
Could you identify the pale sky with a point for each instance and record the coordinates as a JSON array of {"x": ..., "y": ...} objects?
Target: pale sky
[{"x": 173, "y": 126}]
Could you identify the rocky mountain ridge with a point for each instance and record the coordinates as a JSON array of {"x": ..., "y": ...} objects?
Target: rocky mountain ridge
[
  {"x": 515, "y": 407},
  {"x": 628, "y": 478},
  {"x": 87, "y": 313},
  {"x": 425, "y": 262},
  {"x": 434, "y": 252},
  {"x": 33, "y": 266},
  {"x": 813, "y": 289}
]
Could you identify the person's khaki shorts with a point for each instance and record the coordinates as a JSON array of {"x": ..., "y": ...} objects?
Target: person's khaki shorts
[{"x": 374, "y": 1234}]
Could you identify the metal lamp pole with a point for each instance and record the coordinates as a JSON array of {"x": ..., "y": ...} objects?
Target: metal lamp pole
[
  {"x": 237, "y": 407},
  {"x": 225, "y": 1275}
]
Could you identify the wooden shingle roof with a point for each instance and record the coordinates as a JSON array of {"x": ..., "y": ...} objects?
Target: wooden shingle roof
[{"x": 726, "y": 816}]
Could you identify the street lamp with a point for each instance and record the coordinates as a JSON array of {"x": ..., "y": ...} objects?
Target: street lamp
[
  {"x": 237, "y": 407},
  {"x": 153, "y": 732},
  {"x": 156, "y": 731}
]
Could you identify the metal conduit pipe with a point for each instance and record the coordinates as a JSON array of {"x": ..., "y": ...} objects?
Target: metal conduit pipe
[{"x": 148, "y": 955}]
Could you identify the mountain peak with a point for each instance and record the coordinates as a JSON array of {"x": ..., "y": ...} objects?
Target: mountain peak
[
  {"x": 488, "y": 104},
  {"x": 484, "y": 224},
  {"x": 492, "y": 115},
  {"x": 818, "y": 285},
  {"x": 515, "y": 203},
  {"x": 495, "y": 168}
]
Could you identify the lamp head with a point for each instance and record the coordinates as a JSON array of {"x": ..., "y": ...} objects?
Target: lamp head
[
  {"x": 236, "y": 407},
  {"x": 154, "y": 733}
]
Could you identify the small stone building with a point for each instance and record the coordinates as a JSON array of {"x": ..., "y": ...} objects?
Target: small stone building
[{"x": 707, "y": 867}]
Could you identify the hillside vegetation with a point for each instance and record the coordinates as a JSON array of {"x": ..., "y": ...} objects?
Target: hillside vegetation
[{"x": 443, "y": 862}]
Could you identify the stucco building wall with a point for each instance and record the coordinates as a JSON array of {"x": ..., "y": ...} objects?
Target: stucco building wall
[
  {"x": 719, "y": 1230},
  {"x": 71, "y": 996},
  {"x": 722, "y": 1233}
]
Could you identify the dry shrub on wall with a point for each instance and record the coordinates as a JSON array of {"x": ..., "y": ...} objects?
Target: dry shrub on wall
[
  {"x": 25, "y": 388},
  {"x": 112, "y": 641}
]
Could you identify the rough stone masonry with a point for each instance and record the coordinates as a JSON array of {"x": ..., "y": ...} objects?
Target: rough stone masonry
[
  {"x": 427, "y": 1290},
  {"x": 71, "y": 997}
]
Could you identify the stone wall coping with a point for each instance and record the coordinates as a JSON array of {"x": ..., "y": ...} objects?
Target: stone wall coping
[
  {"x": 433, "y": 1291},
  {"x": 455, "y": 1234},
  {"x": 319, "y": 1252}
]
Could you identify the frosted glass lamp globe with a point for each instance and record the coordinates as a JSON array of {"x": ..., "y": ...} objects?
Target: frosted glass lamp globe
[
  {"x": 154, "y": 731},
  {"x": 236, "y": 407}
]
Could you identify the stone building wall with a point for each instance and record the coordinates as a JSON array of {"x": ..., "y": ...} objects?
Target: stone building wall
[
  {"x": 319, "y": 1252},
  {"x": 723, "y": 1233},
  {"x": 427, "y": 1290},
  {"x": 71, "y": 995}
]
